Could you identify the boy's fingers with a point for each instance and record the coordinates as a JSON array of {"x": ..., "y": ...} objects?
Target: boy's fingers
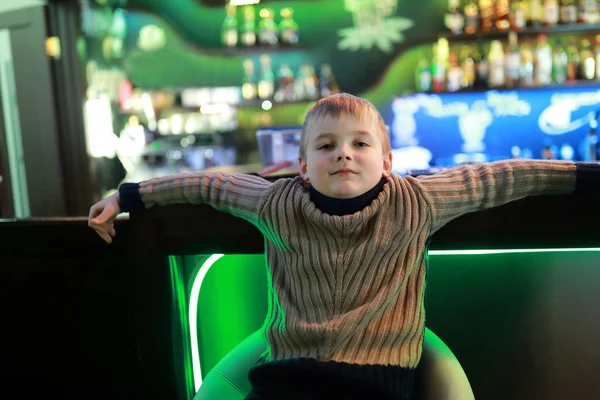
[{"x": 112, "y": 232}]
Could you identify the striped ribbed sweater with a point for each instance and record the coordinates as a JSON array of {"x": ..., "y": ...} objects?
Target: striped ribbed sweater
[{"x": 350, "y": 288}]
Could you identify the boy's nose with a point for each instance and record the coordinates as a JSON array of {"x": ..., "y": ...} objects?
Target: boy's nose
[{"x": 344, "y": 153}]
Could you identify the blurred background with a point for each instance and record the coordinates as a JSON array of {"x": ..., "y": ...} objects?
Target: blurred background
[{"x": 97, "y": 92}]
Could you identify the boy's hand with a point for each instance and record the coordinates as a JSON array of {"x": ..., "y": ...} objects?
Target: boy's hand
[{"x": 102, "y": 217}]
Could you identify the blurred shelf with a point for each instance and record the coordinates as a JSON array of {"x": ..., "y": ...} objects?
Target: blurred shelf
[
  {"x": 577, "y": 84},
  {"x": 567, "y": 29}
]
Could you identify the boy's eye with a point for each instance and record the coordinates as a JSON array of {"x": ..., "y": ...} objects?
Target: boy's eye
[
  {"x": 325, "y": 146},
  {"x": 362, "y": 144}
]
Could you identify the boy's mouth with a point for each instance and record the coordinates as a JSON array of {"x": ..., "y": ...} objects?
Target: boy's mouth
[{"x": 344, "y": 171}]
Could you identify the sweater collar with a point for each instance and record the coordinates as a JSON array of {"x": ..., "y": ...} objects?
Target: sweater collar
[{"x": 333, "y": 206}]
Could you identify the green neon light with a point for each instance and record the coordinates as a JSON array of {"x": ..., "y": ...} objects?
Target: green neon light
[
  {"x": 210, "y": 261},
  {"x": 193, "y": 317},
  {"x": 508, "y": 251}
]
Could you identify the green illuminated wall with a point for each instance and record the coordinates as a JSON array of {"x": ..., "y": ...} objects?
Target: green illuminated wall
[
  {"x": 485, "y": 305},
  {"x": 194, "y": 57}
]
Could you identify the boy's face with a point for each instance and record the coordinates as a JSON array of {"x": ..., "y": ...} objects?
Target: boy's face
[{"x": 344, "y": 157}]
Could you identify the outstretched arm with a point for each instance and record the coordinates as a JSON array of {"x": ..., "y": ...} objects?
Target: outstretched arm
[
  {"x": 239, "y": 194},
  {"x": 468, "y": 188}
]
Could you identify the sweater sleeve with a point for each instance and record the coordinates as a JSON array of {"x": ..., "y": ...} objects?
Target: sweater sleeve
[
  {"x": 239, "y": 194},
  {"x": 469, "y": 188}
]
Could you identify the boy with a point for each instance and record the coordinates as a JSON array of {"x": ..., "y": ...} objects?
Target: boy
[{"x": 345, "y": 246}]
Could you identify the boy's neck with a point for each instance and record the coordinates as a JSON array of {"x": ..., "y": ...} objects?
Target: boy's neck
[{"x": 333, "y": 206}]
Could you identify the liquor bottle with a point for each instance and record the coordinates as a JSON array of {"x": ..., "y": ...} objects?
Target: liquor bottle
[
  {"x": 454, "y": 78},
  {"x": 535, "y": 13},
  {"x": 572, "y": 62},
  {"x": 454, "y": 19},
  {"x": 526, "y": 71},
  {"x": 543, "y": 62},
  {"x": 266, "y": 84},
  {"x": 597, "y": 56},
  {"x": 423, "y": 74},
  {"x": 229, "y": 31},
  {"x": 559, "y": 63},
  {"x": 588, "y": 12},
  {"x": 513, "y": 61},
  {"x": 267, "y": 28},
  {"x": 482, "y": 69},
  {"x": 517, "y": 15},
  {"x": 288, "y": 28},
  {"x": 285, "y": 84},
  {"x": 249, "y": 90},
  {"x": 502, "y": 15},
  {"x": 439, "y": 65},
  {"x": 496, "y": 62},
  {"x": 248, "y": 31},
  {"x": 471, "y": 17},
  {"x": 568, "y": 12},
  {"x": 551, "y": 12},
  {"x": 311, "y": 83},
  {"x": 487, "y": 13},
  {"x": 587, "y": 61},
  {"x": 468, "y": 68},
  {"x": 327, "y": 83}
]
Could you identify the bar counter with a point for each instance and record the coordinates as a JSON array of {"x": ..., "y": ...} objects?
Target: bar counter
[{"x": 82, "y": 319}]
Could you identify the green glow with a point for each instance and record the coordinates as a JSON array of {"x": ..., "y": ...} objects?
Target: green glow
[
  {"x": 179, "y": 300},
  {"x": 508, "y": 251},
  {"x": 210, "y": 261},
  {"x": 193, "y": 314}
]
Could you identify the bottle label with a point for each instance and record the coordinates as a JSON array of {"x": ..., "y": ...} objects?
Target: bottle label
[
  {"x": 517, "y": 18},
  {"x": 425, "y": 80},
  {"x": 513, "y": 62},
  {"x": 568, "y": 14},
  {"x": 289, "y": 36},
  {"x": 230, "y": 38},
  {"x": 496, "y": 73},
  {"x": 551, "y": 12},
  {"x": 248, "y": 38}
]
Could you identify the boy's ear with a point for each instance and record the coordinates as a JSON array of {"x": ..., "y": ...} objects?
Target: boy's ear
[
  {"x": 387, "y": 164},
  {"x": 303, "y": 169}
]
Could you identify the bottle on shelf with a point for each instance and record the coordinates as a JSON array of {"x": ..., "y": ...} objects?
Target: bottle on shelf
[
  {"x": 229, "y": 31},
  {"x": 454, "y": 77},
  {"x": 543, "y": 62},
  {"x": 327, "y": 83},
  {"x": 468, "y": 68},
  {"x": 496, "y": 64},
  {"x": 268, "y": 33},
  {"x": 588, "y": 12},
  {"x": 311, "y": 83},
  {"x": 439, "y": 65},
  {"x": 587, "y": 61},
  {"x": 560, "y": 63},
  {"x": 551, "y": 12},
  {"x": 482, "y": 69},
  {"x": 535, "y": 14},
  {"x": 502, "y": 17},
  {"x": 526, "y": 71},
  {"x": 454, "y": 19},
  {"x": 266, "y": 84},
  {"x": 471, "y": 12},
  {"x": 285, "y": 84},
  {"x": 517, "y": 15},
  {"x": 513, "y": 61},
  {"x": 597, "y": 56},
  {"x": 487, "y": 13},
  {"x": 288, "y": 28},
  {"x": 249, "y": 89},
  {"x": 572, "y": 62},
  {"x": 568, "y": 12},
  {"x": 423, "y": 77},
  {"x": 248, "y": 30}
]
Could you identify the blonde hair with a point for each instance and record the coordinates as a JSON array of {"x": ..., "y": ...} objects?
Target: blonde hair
[{"x": 343, "y": 104}]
